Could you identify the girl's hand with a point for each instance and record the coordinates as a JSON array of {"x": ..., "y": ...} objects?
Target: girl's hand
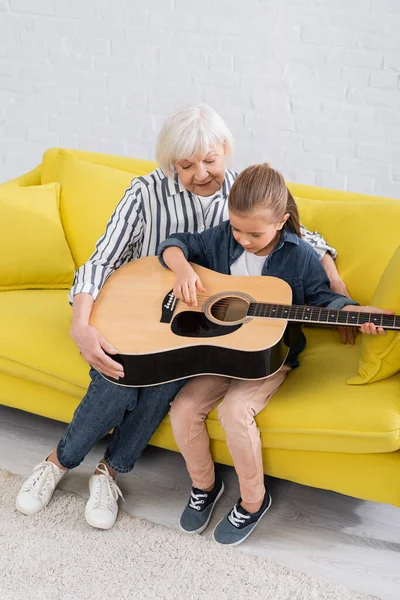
[
  {"x": 369, "y": 328},
  {"x": 187, "y": 281}
]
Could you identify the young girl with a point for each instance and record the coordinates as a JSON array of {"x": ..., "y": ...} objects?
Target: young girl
[{"x": 262, "y": 238}]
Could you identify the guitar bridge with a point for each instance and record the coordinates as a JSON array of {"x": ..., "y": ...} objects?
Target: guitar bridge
[{"x": 168, "y": 307}]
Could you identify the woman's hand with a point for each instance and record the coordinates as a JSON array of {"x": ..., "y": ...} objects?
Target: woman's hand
[
  {"x": 186, "y": 284},
  {"x": 93, "y": 348},
  {"x": 91, "y": 344},
  {"x": 369, "y": 328}
]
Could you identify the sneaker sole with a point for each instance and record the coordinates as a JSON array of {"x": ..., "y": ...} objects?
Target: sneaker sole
[
  {"x": 203, "y": 527},
  {"x": 250, "y": 532}
]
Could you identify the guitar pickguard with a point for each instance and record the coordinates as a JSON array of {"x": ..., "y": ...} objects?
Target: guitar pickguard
[{"x": 197, "y": 325}]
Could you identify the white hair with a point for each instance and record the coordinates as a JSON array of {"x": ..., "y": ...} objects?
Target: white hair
[{"x": 189, "y": 131}]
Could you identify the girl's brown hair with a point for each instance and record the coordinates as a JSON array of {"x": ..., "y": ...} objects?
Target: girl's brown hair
[{"x": 262, "y": 186}]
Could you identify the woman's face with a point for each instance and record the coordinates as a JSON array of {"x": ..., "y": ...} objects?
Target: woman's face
[{"x": 203, "y": 175}]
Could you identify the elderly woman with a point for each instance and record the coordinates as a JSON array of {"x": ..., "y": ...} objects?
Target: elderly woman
[{"x": 187, "y": 193}]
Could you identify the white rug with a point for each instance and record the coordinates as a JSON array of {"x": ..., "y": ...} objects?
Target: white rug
[{"x": 57, "y": 556}]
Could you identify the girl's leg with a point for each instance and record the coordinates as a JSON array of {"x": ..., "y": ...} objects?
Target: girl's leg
[
  {"x": 188, "y": 413},
  {"x": 243, "y": 401}
]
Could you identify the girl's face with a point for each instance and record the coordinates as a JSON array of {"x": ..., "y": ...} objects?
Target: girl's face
[
  {"x": 257, "y": 231},
  {"x": 203, "y": 175}
]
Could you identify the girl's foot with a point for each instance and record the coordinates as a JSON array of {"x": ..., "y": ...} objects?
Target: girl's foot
[
  {"x": 198, "y": 511},
  {"x": 102, "y": 507},
  {"x": 37, "y": 491},
  {"x": 239, "y": 524}
]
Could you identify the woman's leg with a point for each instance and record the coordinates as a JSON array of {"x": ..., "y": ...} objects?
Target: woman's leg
[
  {"x": 188, "y": 413},
  {"x": 102, "y": 408},
  {"x": 243, "y": 401},
  {"x": 132, "y": 436}
]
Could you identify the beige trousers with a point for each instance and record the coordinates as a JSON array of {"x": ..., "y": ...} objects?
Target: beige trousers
[{"x": 242, "y": 401}]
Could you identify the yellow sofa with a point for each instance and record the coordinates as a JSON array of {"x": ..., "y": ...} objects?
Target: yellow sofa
[{"x": 317, "y": 430}]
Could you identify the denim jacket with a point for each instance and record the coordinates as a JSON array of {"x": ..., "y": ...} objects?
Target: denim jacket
[{"x": 292, "y": 260}]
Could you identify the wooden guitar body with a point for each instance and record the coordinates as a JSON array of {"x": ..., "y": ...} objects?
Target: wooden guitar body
[{"x": 160, "y": 339}]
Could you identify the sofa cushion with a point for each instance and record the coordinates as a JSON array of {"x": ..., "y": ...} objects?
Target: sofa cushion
[
  {"x": 311, "y": 411},
  {"x": 364, "y": 234},
  {"x": 380, "y": 355},
  {"x": 33, "y": 250},
  {"x": 35, "y": 344},
  {"x": 89, "y": 195}
]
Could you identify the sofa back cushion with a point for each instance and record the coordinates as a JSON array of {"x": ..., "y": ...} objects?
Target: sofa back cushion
[
  {"x": 365, "y": 234},
  {"x": 89, "y": 195},
  {"x": 52, "y": 157}
]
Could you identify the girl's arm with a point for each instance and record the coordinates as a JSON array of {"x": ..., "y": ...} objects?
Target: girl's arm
[{"x": 187, "y": 280}]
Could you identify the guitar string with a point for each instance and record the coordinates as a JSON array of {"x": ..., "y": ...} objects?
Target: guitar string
[{"x": 387, "y": 321}]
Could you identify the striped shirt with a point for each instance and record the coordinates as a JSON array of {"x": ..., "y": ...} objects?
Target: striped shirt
[{"x": 152, "y": 208}]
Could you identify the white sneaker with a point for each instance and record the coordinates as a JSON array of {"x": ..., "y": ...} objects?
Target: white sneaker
[
  {"x": 102, "y": 507},
  {"x": 37, "y": 491}
]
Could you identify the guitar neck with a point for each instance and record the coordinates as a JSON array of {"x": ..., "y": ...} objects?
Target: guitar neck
[{"x": 323, "y": 316}]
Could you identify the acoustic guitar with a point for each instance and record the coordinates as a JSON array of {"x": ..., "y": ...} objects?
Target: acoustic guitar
[{"x": 237, "y": 329}]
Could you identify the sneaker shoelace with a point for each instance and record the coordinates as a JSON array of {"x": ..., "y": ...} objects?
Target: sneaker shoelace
[
  {"x": 196, "y": 500},
  {"x": 43, "y": 474},
  {"x": 237, "y": 518},
  {"x": 107, "y": 491}
]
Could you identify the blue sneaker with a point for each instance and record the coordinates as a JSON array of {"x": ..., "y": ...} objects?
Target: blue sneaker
[
  {"x": 239, "y": 524},
  {"x": 198, "y": 511}
]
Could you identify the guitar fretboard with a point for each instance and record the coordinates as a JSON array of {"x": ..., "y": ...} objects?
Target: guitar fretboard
[{"x": 316, "y": 314}]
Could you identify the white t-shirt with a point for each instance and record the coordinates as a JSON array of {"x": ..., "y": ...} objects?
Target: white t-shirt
[
  {"x": 206, "y": 201},
  {"x": 248, "y": 264}
]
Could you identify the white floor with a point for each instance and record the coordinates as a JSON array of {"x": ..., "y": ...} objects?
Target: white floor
[{"x": 321, "y": 533}]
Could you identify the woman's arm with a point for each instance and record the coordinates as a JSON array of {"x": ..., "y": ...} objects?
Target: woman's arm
[
  {"x": 318, "y": 293},
  {"x": 112, "y": 250},
  {"x": 327, "y": 256},
  {"x": 336, "y": 283}
]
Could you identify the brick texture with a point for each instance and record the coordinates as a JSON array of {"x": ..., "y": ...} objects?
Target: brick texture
[{"x": 309, "y": 85}]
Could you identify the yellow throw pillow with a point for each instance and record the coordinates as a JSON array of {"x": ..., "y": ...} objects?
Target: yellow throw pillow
[
  {"x": 34, "y": 253},
  {"x": 365, "y": 234},
  {"x": 89, "y": 195},
  {"x": 380, "y": 355}
]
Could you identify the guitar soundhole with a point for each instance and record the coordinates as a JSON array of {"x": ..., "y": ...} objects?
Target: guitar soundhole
[{"x": 230, "y": 309}]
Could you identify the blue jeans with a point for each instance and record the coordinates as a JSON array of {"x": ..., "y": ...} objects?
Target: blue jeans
[{"x": 133, "y": 413}]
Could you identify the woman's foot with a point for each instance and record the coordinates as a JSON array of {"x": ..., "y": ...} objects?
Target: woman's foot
[
  {"x": 102, "y": 507},
  {"x": 37, "y": 491},
  {"x": 239, "y": 523},
  {"x": 198, "y": 511}
]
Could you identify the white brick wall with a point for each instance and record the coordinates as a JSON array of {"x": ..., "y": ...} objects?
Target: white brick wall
[{"x": 310, "y": 85}]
